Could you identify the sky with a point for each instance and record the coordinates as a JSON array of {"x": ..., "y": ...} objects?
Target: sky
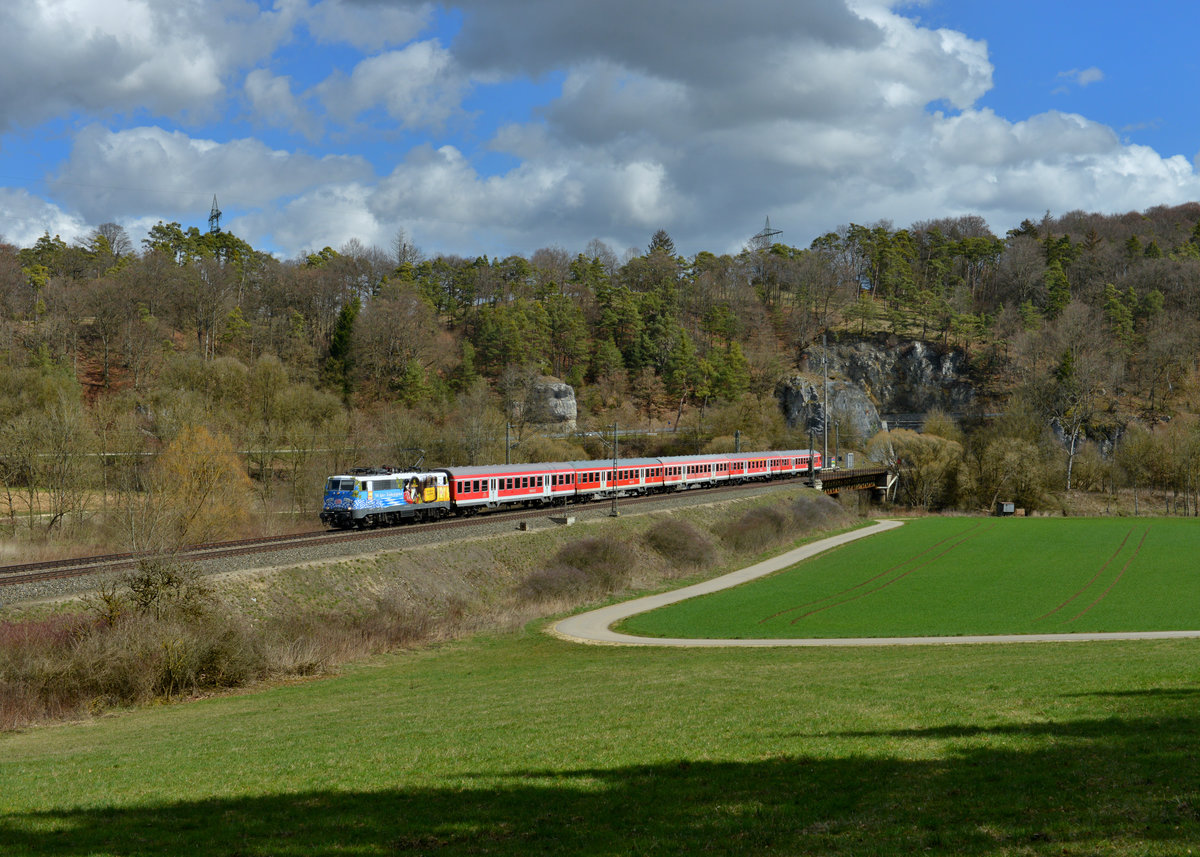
[{"x": 500, "y": 127}]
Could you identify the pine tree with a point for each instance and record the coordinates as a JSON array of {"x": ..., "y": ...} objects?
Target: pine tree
[
  {"x": 1058, "y": 290},
  {"x": 661, "y": 242},
  {"x": 340, "y": 363}
]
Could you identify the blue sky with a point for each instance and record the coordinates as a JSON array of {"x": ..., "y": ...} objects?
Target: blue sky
[
  {"x": 505, "y": 126},
  {"x": 1142, "y": 61}
]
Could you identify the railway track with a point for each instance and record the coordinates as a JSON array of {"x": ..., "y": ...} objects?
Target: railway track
[{"x": 49, "y": 570}]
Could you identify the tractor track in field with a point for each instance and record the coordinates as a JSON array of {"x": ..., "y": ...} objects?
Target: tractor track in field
[
  {"x": 1117, "y": 580},
  {"x": 964, "y": 537},
  {"x": 1093, "y": 579},
  {"x": 595, "y": 627}
]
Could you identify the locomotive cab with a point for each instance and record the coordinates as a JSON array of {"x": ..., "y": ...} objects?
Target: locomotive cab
[{"x": 369, "y": 497}]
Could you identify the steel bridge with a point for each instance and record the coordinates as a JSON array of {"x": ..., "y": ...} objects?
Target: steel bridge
[{"x": 877, "y": 480}]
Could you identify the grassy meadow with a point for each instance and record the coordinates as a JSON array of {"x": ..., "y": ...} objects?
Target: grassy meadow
[
  {"x": 956, "y": 576},
  {"x": 519, "y": 743},
  {"x": 522, "y": 744}
]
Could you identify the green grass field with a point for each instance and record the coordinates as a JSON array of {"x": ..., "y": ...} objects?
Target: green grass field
[
  {"x": 528, "y": 745},
  {"x": 956, "y": 576},
  {"x": 524, "y": 744}
]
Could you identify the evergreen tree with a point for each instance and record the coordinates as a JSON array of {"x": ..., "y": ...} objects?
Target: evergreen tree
[
  {"x": 661, "y": 242},
  {"x": 1058, "y": 290},
  {"x": 340, "y": 365}
]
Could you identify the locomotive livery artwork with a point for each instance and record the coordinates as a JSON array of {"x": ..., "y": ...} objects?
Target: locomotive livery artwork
[{"x": 382, "y": 496}]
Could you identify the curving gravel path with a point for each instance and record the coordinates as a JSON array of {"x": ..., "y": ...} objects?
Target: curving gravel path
[{"x": 595, "y": 627}]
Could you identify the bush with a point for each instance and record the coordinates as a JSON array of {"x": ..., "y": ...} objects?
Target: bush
[
  {"x": 165, "y": 586},
  {"x": 681, "y": 543},
  {"x": 582, "y": 569},
  {"x": 67, "y": 665},
  {"x": 607, "y": 563},
  {"x": 766, "y": 525},
  {"x": 756, "y": 529},
  {"x": 554, "y": 582},
  {"x": 817, "y": 513}
]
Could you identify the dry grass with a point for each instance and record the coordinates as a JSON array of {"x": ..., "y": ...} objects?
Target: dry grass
[{"x": 166, "y": 633}]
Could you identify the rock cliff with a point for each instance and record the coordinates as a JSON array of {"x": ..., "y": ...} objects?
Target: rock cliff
[
  {"x": 551, "y": 402},
  {"x": 868, "y": 377}
]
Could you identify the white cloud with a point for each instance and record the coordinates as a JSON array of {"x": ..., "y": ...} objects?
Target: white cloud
[
  {"x": 111, "y": 175},
  {"x": 367, "y": 24},
  {"x": 26, "y": 218},
  {"x": 814, "y": 116},
  {"x": 273, "y": 103},
  {"x": 326, "y": 216},
  {"x": 699, "y": 119},
  {"x": 123, "y": 55},
  {"x": 418, "y": 85},
  {"x": 1080, "y": 77}
]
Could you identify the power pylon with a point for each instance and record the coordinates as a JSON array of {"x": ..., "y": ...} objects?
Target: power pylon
[
  {"x": 764, "y": 239},
  {"x": 214, "y": 218}
]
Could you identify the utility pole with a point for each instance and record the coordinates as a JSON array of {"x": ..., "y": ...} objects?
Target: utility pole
[
  {"x": 825, "y": 413},
  {"x": 810, "y": 453},
  {"x": 614, "y": 513}
]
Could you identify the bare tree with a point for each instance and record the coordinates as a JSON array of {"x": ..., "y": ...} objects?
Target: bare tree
[
  {"x": 117, "y": 238},
  {"x": 404, "y": 251},
  {"x": 1080, "y": 371}
]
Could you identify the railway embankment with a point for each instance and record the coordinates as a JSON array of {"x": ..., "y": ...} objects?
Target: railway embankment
[{"x": 211, "y": 626}]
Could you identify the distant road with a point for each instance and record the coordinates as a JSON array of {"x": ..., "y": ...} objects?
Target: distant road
[{"x": 595, "y": 627}]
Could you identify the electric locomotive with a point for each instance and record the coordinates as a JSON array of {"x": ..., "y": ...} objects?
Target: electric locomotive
[{"x": 381, "y": 496}]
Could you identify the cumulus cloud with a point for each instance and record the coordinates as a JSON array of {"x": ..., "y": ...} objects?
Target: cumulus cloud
[
  {"x": 273, "y": 103},
  {"x": 27, "y": 218},
  {"x": 418, "y": 86},
  {"x": 110, "y": 175},
  {"x": 815, "y": 114},
  {"x": 700, "y": 119},
  {"x": 326, "y": 216},
  {"x": 124, "y": 55},
  {"x": 702, "y": 40},
  {"x": 367, "y": 24}
]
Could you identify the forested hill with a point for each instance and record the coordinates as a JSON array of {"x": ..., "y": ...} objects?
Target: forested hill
[{"x": 1084, "y": 328}]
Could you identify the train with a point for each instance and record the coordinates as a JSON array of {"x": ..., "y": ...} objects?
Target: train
[{"x": 385, "y": 496}]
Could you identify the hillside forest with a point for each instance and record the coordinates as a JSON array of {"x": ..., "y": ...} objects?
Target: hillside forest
[{"x": 195, "y": 387}]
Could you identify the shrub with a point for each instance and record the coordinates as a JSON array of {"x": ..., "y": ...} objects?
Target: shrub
[
  {"x": 554, "y": 582},
  {"x": 66, "y": 665},
  {"x": 398, "y": 621},
  {"x": 582, "y": 569},
  {"x": 819, "y": 512},
  {"x": 681, "y": 543},
  {"x": 142, "y": 658},
  {"x": 164, "y": 586},
  {"x": 607, "y": 563},
  {"x": 757, "y": 528},
  {"x": 765, "y": 525}
]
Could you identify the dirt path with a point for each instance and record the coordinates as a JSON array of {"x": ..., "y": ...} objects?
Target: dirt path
[{"x": 595, "y": 627}]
